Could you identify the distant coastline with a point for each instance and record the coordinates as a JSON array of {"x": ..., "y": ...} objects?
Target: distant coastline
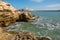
[{"x": 31, "y": 10}]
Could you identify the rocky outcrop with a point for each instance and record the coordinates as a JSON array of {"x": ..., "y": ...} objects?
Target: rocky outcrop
[
  {"x": 6, "y": 35},
  {"x": 9, "y": 14},
  {"x": 7, "y": 17},
  {"x": 26, "y": 17},
  {"x": 6, "y": 5}
]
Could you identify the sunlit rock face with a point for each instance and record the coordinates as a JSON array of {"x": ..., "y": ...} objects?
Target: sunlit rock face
[
  {"x": 4, "y": 35},
  {"x": 7, "y": 14},
  {"x": 5, "y": 5}
]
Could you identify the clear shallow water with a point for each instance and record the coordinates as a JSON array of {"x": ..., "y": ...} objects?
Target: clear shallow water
[{"x": 48, "y": 25}]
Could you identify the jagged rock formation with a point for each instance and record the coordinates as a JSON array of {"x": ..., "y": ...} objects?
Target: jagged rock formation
[
  {"x": 26, "y": 17},
  {"x": 5, "y": 35},
  {"x": 9, "y": 14}
]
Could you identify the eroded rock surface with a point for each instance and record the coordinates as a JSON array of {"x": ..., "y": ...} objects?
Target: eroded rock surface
[
  {"x": 26, "y": 17},
  {"x": 8, "y": 15},
  {"x": 5, "y": 35},
  {"x": 6, "y": 5}
]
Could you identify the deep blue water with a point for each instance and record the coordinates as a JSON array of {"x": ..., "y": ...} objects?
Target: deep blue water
[{"x": 47, "y": 25}]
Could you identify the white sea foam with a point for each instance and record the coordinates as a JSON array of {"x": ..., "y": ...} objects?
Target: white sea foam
[
  {"x": 49, "y": 37},
  {"x": 49, "y": 23}
]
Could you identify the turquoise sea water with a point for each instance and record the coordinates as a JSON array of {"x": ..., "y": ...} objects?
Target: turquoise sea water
[{"x": 47, "y": 25}]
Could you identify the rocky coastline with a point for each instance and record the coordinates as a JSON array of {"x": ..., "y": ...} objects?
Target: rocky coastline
[
  {"x": 9, "y": 15},
  {"x": 8, "y": 35}
]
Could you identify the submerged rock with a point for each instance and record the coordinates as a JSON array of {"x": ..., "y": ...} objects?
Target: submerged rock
[{"x": 5, "y": 35}]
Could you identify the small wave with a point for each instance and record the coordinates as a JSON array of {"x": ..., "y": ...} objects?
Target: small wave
[
  {"x": 44, "y": 22},
  {"x": 47, "y": 37}
]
